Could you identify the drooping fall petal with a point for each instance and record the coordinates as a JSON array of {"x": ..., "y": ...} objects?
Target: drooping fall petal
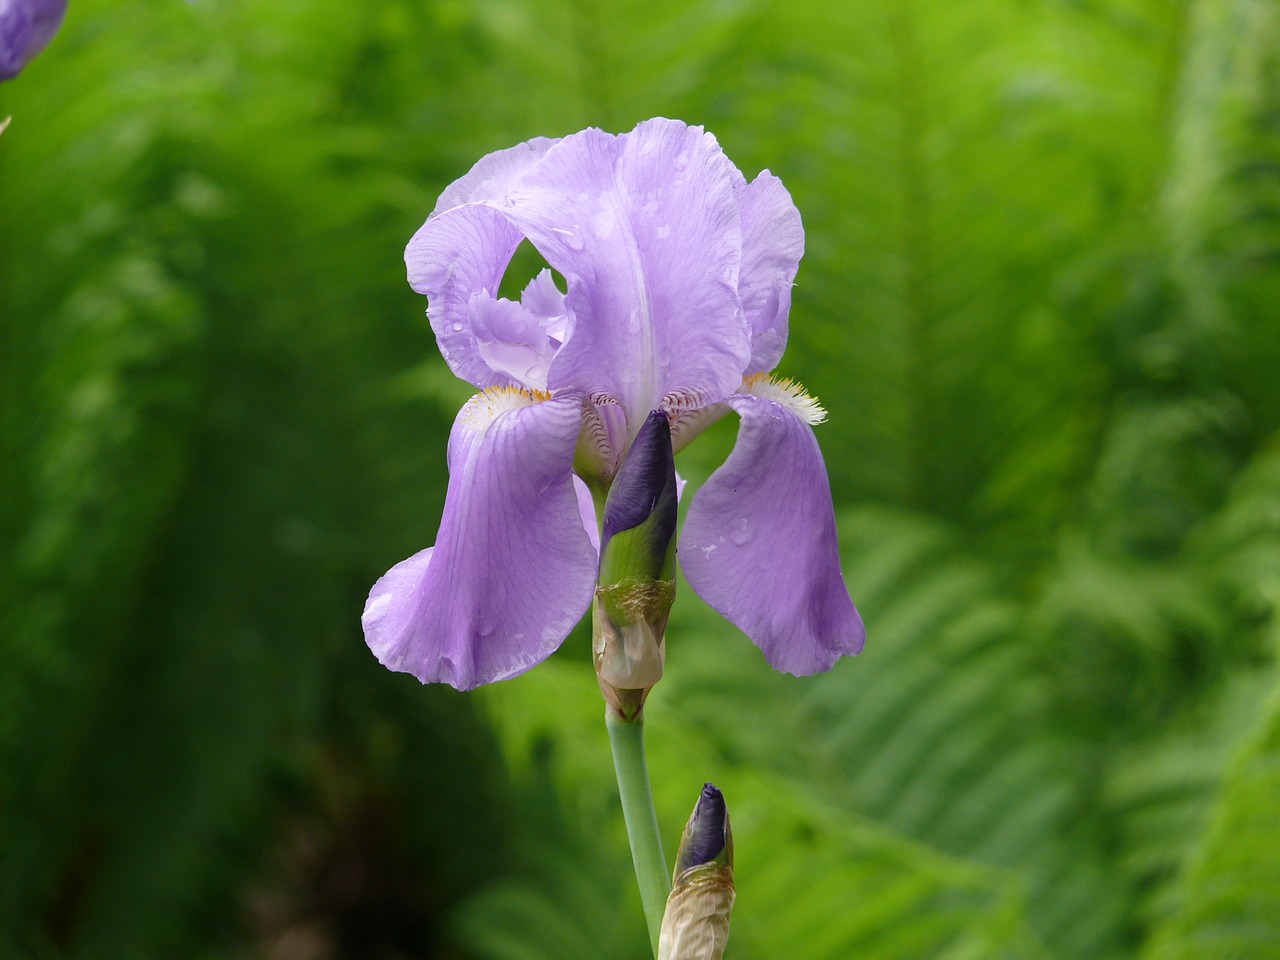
[
  {"x": 759, "y": 541},
  {"x": 512, "y": 570}
]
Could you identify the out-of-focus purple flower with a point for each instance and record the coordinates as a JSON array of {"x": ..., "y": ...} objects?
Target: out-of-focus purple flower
[
  {"x": 26, "y": 27},
  {"x": 677, "y": 284}
]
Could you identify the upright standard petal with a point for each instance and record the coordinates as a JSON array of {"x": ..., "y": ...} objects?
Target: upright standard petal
[
  {"x": 456, "y": 258},
  {"x": 512, "y": 570},
  {"x": 463, "y": 250},
  {"x": 587, "y": 507},
  {"x": 759, "y": 542},
  {"x": 511, "y": 340},
  {"x": 493, "y": 175},
  {"x": 772, "y": 245},
  {"x": 644, "y": 228}
]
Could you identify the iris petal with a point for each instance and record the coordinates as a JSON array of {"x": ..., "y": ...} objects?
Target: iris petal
[
  {"x": 453, "y": 258},
  {"x": 543, "y": 299},
  {"x": 772, "y": 245},
  {"x": 511, "y": 340},
  {"x": 15, "y": 38},
  {"x": 759, "y": 542},
  {"x": 644, "y": 228},
  {"x": 463, "y": 249},
  {"x": 26, "y": 27},
  {"x": 512, "y": 570},
  {"x": 492, "y": 176},
  {"x": 587, "y": 507}
]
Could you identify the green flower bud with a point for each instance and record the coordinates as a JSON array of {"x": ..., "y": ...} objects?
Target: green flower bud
[
  {"x": 636, "y": 583},
  {"x": 695, "y": 925}
]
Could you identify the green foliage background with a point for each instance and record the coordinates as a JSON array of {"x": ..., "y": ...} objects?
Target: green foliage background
[{"x": 1041, "y": 301}]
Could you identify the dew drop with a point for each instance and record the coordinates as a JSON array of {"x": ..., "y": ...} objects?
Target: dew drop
[
  {"x": 571, "y": 239},
  {"x": 741, "y": 531},
  {"x": 602, "y": 223}
]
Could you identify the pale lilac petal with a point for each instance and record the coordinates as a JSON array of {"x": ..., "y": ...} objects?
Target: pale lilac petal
[
  {"x": 511, "y": 340},
  {"x": 493, "y": 175},
  {"x": 644, "y": 228},
  {"x": 453, "y": 257},
  {"x": 759, "y": 543},
  {"x": 512, "y": 570},
  {"x": 463, "y": 249},
  {"x": 543, "y": 299},
  {"x": 772, "y": 245},
  {"x": 587, "y": 507}
]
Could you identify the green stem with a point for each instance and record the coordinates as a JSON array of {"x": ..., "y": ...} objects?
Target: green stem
[{"x": 627, "y": 740}]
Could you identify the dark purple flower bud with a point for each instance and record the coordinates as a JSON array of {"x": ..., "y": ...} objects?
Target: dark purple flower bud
[
  {"x": 707, "y": 834},
  {"x": 26, "y": 27},
  {"x": 637, "y": 577},
  {"x": 643, "y": 495},
  {"x": 695, "y": 924}
]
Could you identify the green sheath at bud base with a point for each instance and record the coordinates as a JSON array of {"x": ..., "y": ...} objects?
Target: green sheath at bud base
[
  {"x": 636, "y": 582},
  {"x": 695, "y": 925}
]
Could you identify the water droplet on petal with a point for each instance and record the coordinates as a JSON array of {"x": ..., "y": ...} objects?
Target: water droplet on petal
[
  {"x": 741, "y": 531},
  {"x": 602, "y": 223},
  {"x": 570, "y": 239}
]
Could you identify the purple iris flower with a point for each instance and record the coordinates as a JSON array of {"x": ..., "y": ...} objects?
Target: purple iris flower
[
  {"x": 677, "y": 284},
  {"x": 26, "y": 27}
]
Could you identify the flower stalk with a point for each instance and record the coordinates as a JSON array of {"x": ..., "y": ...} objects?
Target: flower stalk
[
  {"x": 626, "y": 738},
  {"x": 634, "y": 591}
]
